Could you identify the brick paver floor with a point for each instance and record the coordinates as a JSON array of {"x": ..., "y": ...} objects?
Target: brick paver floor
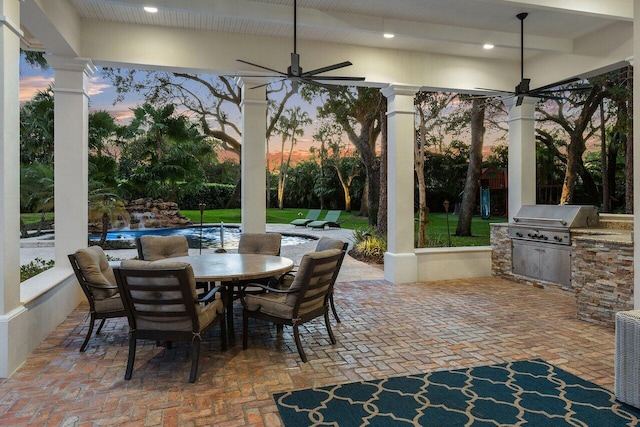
[{"x": 387, "y": 330}]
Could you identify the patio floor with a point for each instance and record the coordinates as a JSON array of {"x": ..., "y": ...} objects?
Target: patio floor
[{"x": 386, "y": 330}]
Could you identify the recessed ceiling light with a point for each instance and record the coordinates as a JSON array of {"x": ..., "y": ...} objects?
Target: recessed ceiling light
[
  {"x": 389, "y": 35},
  {"x": 488, "y": 46},
  {"x": 150, "y": 9}
]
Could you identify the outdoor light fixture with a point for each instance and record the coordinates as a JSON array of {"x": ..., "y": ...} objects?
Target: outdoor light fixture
[
  {"x": 150, "y": 9},
  {"x": 389, "y": 35},
  {"x": 488, "y": 46}
]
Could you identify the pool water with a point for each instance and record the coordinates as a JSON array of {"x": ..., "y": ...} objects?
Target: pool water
[{"x": 211, "y": 236}]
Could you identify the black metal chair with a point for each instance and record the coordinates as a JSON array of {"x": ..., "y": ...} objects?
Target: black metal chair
[
  {"x": 98, "y": 283},
  {"x": 161, "y": 303},
  {"x": 306, "y": 299},
  {"x": 323, "y": 244}
]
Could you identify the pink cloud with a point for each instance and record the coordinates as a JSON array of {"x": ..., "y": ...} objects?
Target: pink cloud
[{"x": 30, "y": 85}]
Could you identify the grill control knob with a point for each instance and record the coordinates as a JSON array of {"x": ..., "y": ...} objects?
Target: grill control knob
[
  {"x": 518, "y": 234},
  {"x": 546, "y": 238}
]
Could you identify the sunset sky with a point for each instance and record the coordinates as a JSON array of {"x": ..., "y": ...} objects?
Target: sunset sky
[{"x": 103, "y": 95}]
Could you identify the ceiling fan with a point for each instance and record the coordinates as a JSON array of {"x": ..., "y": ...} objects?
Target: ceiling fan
[
  {"x": 522, "y": 89},
  {"x": 294, "y": 71}
]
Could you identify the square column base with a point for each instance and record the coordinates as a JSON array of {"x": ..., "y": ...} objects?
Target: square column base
[
  {"x": 400, "y": 268},
  {"x": 13, "y": 349}
]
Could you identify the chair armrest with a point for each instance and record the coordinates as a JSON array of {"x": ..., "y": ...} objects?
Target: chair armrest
[
  {"x": 266, "y": 288},
  {"x": 101, "y": 287},
  {"x": 211, "y": 295}
]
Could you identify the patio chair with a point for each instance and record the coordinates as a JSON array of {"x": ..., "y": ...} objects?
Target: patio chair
[
  {"x": 306, "y": 299},
  {"x": 161, "y": 303},
  {"x": 312, "y": 215},
  {"x": 258, "y": 243},
  {"x": 154, "y": 248},
  {"x": 330, "y": 220},
  {"x": 98, "y": 283},
  {"x": 324, "y": 244}
]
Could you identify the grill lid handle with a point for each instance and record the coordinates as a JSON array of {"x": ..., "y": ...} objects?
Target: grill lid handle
[{"x": 524, "y": 218}]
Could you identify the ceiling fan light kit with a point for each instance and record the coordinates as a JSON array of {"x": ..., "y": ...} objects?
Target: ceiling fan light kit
[{"x": 294, "y": 72}]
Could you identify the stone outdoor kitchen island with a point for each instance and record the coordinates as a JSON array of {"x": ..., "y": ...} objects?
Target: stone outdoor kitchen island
[{"x": 601, "y": 267}]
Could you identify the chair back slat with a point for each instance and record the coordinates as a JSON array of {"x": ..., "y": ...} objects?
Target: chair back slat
[
  {"x": 316, "y": 281},
  {"x": 160, "y": 295}
]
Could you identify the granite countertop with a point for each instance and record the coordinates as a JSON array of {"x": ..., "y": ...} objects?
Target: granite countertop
[{"x": 605, "y": 235}]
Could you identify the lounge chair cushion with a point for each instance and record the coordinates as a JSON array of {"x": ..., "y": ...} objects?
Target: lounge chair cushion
[
  {"x": 96, "y": 270},
  {"x": 160, "y": 247},
  {"x": 205, "y": 314}
]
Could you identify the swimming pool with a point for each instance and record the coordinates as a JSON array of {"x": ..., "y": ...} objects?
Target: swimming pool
[{"x": 210, "y": 236}]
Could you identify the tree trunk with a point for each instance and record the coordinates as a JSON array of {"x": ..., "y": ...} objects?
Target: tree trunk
[
  {"x": 474, "y": 170},
  {"x": 419, "y": 158},
  {"x": 606, "y": 199},
  {"x": 382, "y": 205},
  {"x": 105, "y": 228}
]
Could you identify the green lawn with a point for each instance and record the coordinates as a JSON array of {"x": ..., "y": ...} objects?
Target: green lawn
[
  {"x": 436, "y": 229},
  {"x": 274, "y": 216}
]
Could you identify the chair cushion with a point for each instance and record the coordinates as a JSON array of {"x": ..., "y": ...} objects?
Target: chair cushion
[
  {"x": 107, "y": 305},
  {"x": 328, "y": 243},
  {"x": 260, "y": 243},
  {"x": 160, "y": 247},
  {"x": 96, "y": 270},
  {"x": 272, "y": 303}
]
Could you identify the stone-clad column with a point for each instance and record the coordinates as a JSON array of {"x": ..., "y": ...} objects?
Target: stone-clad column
[
  {"x": 12, "y": 313},
  {"x": 71, "y": 153},
  {"x": 400, "y": 262},
  {"x": 522, "y": 154},
  {"x": 254, "y": 153}
]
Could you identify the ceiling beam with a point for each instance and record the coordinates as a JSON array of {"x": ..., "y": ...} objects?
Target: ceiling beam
[{"x": 621, "y": 10}]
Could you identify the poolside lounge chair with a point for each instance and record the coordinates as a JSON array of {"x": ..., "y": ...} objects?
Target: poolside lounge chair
[
  {"x": 312, "y": 215},
  {"x": 330, "y": 220}
]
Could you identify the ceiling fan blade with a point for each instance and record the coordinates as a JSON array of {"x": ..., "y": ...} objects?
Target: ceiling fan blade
[
  {"x": 346, "y": 79},
  {"x": 560, "y": 83},
  {"x": 569, "y": 89},
  {"x": 327, "y": 68},
  {"x": 494, "y": 90},
  {"x": 260, "y": 66},
  {"x": 267, "y": 84},
  {"x": 332, "y": 88}
]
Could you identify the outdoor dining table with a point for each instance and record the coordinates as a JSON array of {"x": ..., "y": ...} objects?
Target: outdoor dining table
[{"x": 230, "y": 269}]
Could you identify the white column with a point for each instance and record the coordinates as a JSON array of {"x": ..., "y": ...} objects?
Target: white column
[
  {"x": 636, "y": 157},
  {"x": 522, "y": 154},
  {"x": 71, "y": 153},
  {"x": 400, "y": 262},
  {"x": 254, "y": 155},
  {"x": 12, "y": 313}
]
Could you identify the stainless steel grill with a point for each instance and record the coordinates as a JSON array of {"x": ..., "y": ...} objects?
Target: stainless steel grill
[{"x": 541, "y": 240}]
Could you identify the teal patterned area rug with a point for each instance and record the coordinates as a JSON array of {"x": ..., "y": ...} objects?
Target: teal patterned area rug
[{"x": 532, "y": 393}]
